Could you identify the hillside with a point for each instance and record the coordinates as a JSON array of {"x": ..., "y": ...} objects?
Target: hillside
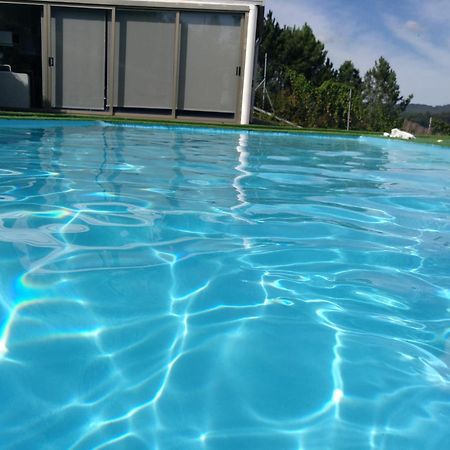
[
  {"x": 419, "y": 108},
  {"x": 421, "y": 114}
]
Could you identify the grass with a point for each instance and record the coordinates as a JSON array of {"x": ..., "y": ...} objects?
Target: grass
[{"x": 436, "y": 140}]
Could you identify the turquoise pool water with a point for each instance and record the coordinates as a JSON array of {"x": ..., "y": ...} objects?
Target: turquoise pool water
[{"x": 171, "y": 288}]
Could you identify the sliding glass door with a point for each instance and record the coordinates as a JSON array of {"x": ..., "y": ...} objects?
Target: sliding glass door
[
  {"x": 164, "y": 62},
  {"x": 145, "y": 46},
  {"x": 78, "y": 58},
  {"x": 210, "y": 62}
]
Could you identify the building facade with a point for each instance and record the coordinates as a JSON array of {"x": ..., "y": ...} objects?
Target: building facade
[{"x": 177, "y": 59}]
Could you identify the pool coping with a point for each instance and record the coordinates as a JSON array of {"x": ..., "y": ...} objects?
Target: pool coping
[{"x": 254, "y": 127}]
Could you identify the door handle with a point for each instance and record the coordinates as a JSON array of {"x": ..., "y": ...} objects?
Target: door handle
[
  {"x": 238, "y": 71},
  {"x": 51, "y": 61}
]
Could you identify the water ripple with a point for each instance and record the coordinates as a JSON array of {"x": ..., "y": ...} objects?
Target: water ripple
[{"x": 167, "y": 288}]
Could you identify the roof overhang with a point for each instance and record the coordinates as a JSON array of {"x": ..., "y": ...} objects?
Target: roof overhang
[{"x": 233, "y": 5}]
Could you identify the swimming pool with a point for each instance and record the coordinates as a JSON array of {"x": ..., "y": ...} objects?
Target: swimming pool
[{"x": 176, "y": 288}]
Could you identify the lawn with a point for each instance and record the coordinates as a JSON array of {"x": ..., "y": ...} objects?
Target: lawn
[{"x": 268, "y": 127}]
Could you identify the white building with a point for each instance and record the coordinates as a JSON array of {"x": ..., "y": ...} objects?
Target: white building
[{"x": 178, "y": 59}]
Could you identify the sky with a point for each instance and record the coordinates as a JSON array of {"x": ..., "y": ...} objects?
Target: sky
[{"x": 413, "y": 35}]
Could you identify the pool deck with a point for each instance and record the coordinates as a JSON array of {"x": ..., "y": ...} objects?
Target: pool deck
[{"x": 443, "y": 141}]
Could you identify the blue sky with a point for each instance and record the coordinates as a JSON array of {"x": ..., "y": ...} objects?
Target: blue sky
[{"x": 413, "y": 35}]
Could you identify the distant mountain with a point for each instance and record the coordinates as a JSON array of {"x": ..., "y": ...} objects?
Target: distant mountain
[
  {"x": 420, "y": 115},
  {"x": 419, "y": 108}
]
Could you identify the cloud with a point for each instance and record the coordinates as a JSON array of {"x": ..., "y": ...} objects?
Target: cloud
[
  {"x": 422, "y": 80},
  {"x": 409, "y": 36},
  {"x": 297, "y": 12},
  {"x": 413, "y": 26},
  {"x": 436, "y": 11},
  {"x": 422, "y": 45}
]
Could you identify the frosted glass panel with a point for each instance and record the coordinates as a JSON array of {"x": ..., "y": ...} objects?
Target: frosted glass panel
[
  {"x": 210, "y": 60},
  {"x": 79, "y": 46},
  {"x": 145, "y": 59}
]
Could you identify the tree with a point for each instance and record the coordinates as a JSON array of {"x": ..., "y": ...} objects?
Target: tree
[
  {"x": 440, "y": 127},
  {"x": 292, "y": 52},
  {"x": 348, "y": 74},
  {"x": 303, "y": 53},
  {"x": 270, "y": 44},
  {"x": 382, "y": 99},
  {"x": 306, "y": 89},
  {"x": 332, "y": 100},
  {"x": 298, "y": 100}
]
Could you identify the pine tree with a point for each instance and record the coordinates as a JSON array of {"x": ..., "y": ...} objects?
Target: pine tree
[
  {"x": 270, "y": 44},
  {"x": 381, "y": 95},
  {"x": 348, "y": 74},
  {"x": 302, "y": 52}
]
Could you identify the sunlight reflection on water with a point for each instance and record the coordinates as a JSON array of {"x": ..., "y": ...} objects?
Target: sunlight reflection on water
[{"x": 169, "y": 288}]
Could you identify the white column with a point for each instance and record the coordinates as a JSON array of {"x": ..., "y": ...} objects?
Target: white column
[{"x": 249, "y": 66}]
